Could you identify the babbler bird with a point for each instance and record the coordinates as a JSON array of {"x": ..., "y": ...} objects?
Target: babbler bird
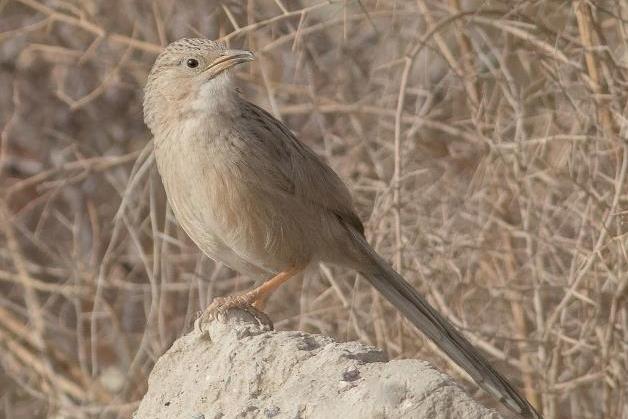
[{"x": 252, "y": 196}]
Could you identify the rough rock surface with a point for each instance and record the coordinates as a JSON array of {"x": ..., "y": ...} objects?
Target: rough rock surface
[{"x": 237, "y": 367}]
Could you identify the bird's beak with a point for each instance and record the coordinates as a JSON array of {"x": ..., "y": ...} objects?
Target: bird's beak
[{"x": 228, "y": 59}]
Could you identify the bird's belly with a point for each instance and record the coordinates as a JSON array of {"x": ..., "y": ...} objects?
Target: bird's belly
[{"x": 218, "y": 206}]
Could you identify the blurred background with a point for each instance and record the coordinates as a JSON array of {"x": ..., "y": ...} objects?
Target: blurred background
[{"x": 485, "y": 144}]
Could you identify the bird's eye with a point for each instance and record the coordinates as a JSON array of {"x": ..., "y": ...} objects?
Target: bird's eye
[{"x": 192, "y": 62}]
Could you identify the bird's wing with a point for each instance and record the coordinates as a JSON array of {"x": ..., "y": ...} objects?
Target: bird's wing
[{"x": 298, "y": 170}]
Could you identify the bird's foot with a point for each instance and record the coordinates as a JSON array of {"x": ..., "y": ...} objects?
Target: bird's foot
[
  {"x": 252, "y": 302},
  {"x": 221, "y": 305}
]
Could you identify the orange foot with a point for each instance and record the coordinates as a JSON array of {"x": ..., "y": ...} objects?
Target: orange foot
[
  {"x": 252, "y": 302},
  {"x": 245, "y": 302}
]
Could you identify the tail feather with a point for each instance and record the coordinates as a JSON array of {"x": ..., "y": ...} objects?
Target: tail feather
[{"x": 412, "y": 305}]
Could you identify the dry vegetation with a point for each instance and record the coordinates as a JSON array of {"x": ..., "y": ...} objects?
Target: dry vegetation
[{"x": 485, "y": 142}]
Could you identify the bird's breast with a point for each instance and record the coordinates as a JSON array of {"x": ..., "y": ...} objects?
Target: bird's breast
[
  {"x": 214, "y": 193},
  {"x": 197, "y": 179}
]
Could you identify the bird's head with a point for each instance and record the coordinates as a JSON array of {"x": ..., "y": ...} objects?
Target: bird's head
[{"x": 189, "y": 73}]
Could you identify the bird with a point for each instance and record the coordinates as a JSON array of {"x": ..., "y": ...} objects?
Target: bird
[{"x": 252, "y": 196}]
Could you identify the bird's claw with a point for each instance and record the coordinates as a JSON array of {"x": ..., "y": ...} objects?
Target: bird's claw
[{"x": 221, "y": 305}]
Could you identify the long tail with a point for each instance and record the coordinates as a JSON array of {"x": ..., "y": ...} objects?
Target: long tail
[{"x": 429, "y": 321}]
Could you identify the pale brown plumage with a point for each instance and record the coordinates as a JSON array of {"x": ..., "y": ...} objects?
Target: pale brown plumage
[{"x": 249, "y": 194}]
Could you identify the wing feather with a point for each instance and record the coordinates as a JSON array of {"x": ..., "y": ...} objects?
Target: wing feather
[{"x": 303, "y": 173}]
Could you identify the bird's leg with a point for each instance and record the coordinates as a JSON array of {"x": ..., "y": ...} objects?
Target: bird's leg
[
  {"x": 268, "y": 287},
  {"x": 256, "y": 298}
]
